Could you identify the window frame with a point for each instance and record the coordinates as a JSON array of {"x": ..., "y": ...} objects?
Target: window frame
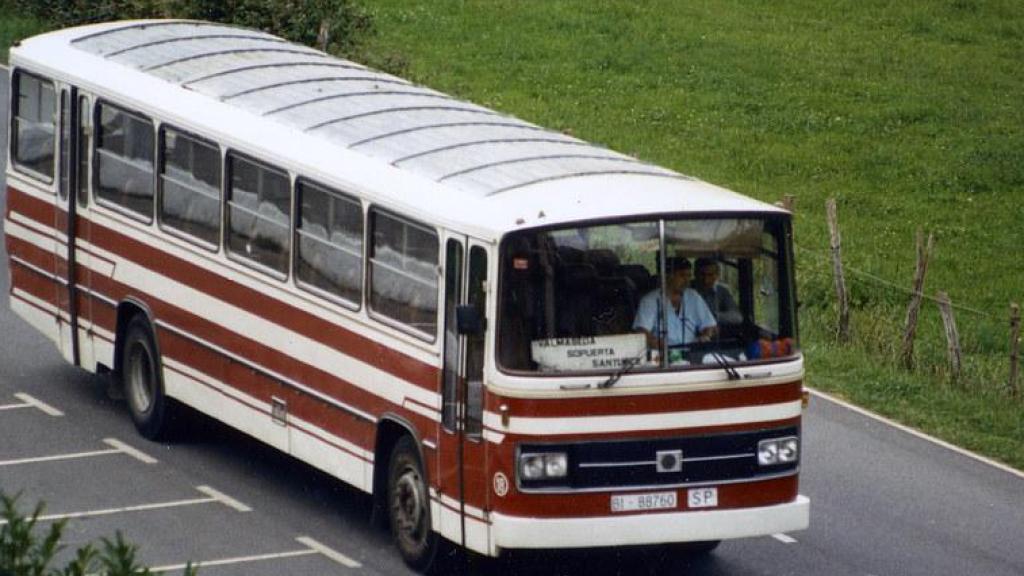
[
  {"x": 226, "y": 186},
  {"x": 98, "y": 199},
  {"x": 370, "y": 249},
  {"x": 297, "y": 185},
  {"x": 171, "y": 230},
  {"x": 12, "y": 131}
]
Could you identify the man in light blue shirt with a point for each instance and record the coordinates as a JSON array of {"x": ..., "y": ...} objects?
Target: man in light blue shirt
[{"x": 689, "y": 318}]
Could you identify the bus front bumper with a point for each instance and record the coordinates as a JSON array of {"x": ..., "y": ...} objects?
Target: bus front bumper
[{"x": 637, "y": 529}]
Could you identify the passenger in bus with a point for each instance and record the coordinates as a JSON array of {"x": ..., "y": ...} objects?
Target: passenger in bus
[
  {"x": 689, "y": 319},
  {"x": 716, "y": 295}
]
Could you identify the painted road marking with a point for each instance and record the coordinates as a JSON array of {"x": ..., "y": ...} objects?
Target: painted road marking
[
  {"x": 130, "y": 451},
  {"x": 224, "y": 499},
  {"x": 237, "y": 560},
  {"x": 31, "y": 402},
  {"x": 57, "y": 457},
  {"x": 784, "y": 538},
  {"x": 217, "y": 497},
  {"x": 916, "y": 433},
  {"x": 329, "y": 552},
  {"x": 312, "y": 547},
  {"x": 117, "y": 447}
]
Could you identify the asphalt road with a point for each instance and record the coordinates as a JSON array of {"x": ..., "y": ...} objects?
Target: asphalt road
[{"x": 883, "y": 502}]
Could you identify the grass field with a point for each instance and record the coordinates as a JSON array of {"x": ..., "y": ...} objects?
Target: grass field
[{"x": 910, "y": 114}]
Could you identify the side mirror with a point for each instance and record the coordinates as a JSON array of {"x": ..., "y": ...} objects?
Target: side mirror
[{"x": 468, "y": 320}]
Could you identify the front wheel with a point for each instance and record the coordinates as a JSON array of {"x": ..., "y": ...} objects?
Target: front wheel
[
  {"x": 141, "y": 377},
  {"x": 409, "y": 507}
]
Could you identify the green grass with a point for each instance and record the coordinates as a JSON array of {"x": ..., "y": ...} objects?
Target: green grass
[{"x": 908, "y": 113}]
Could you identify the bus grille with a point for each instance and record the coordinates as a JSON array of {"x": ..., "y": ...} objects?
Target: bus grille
[{"x": 625, "y": 464}]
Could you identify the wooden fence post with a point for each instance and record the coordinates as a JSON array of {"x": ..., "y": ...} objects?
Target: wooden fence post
[
  {"x": 789, "y": 202},
  {"x": 924, "y": 252},
  {"x": 837, "y": 271},
  {"x": 1014, "y": 349},
  {"x": 952, "y": 336}
]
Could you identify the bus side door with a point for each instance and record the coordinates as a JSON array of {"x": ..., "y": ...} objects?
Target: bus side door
[{"x": 71, "y": 226}]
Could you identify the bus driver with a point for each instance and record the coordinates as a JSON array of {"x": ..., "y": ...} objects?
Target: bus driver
[{"x": 689, "y": 317}]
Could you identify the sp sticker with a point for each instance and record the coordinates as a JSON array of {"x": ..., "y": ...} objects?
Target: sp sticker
[{"x": 500, "y": 484}]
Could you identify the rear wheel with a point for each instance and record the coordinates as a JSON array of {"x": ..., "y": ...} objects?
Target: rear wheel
[
  {"x": 150, "y": 408},
  {"x": 409, "y": 507}
]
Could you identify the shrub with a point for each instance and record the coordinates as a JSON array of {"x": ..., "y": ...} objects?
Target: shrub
[
  {"x": 335, "y": 26},
  {"x": 26, "y": 551}
]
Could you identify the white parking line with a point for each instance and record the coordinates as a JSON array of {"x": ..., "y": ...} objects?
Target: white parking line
[
  {"x": 238, "y": 560},
  {"x": 57, "y": 457},
  {"x": 312, "y": 547},
  {"x": 784, "y": 538},
  {"x": 130, "y": 451},
  {"x": 117, "y": 447},
  {"x": 221, "y": 498},
  {"x": 329, "y": 552},
  {"x": 33, "y": 401}
]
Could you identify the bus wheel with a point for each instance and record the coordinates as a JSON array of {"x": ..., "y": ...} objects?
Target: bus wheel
[
  {"x": 140, "y": 374},
  {"x": 409, "y": 507}
]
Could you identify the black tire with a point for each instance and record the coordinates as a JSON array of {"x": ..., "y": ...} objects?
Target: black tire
[
  {"x": 141, "y": 377},
  {"x": 408, "y": 500}
]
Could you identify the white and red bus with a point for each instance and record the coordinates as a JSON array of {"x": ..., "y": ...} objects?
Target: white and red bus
[{"x": 432, "y": 301}]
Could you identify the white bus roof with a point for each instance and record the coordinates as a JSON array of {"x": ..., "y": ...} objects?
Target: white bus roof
[{"x": 400, "y": 145}]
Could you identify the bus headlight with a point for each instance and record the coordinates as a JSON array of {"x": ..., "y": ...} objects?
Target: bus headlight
[
  {"x": 534, "y": 466},
  {"x": 778, "y": 451}
]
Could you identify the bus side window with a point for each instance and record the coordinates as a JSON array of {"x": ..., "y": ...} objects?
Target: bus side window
[
  {"x": 84, "y": 152},
  {"x": 403, "y": 272},
  {"x": 259, "y": 213},
  {"x": 124, "y": 160},
  {"x": 329, "y": 236},
  {"x": 33, "y": 124},
  {"x": 190, "y": 186}
]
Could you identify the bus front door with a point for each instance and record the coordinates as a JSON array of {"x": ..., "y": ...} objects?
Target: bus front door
[{"x": 461, "y": 448}]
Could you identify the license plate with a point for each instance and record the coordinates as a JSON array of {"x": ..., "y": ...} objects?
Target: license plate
[
  {"x": 637, "y": 502},
  {"x": 702, "y": 497}
]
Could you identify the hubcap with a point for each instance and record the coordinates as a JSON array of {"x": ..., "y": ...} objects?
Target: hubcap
[
  {"x": 140, "y": 378},
  {"x": 409, "y": 508}
]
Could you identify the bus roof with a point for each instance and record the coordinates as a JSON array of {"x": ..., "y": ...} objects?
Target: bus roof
[{"x": 398, "y": 144}]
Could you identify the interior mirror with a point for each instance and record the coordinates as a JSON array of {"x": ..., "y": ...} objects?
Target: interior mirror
[{"x": 468, "y": 320}]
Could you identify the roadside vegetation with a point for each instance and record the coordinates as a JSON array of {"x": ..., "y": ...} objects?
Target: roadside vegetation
[
  {"x": 907, "y": 113},
  {"x": 28, "y": 549}
]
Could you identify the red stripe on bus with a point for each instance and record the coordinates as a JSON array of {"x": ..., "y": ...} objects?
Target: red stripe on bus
[
  {"x": 211, "y": 362},
  {"x": 592, "y": 504},
  {"x": 681, "y": 401},
  {"x": 398, "y": 364}
]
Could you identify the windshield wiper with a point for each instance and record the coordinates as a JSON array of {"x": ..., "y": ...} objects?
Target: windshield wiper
[
  {"x": 721, "y": 360},
  {"x": 629, "y": 364}
]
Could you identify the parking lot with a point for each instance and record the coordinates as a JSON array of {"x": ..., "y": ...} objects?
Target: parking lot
[{"x": 120, "y": 484}]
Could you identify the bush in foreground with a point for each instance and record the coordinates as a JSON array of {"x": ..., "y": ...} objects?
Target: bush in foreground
[{"x": 26, "y": 551}]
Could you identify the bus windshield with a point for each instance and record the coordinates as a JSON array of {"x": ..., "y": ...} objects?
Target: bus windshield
[{"x": 646, "y": 295}]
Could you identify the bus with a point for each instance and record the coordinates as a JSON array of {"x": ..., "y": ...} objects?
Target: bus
[{"x": 497, "y": 330}]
